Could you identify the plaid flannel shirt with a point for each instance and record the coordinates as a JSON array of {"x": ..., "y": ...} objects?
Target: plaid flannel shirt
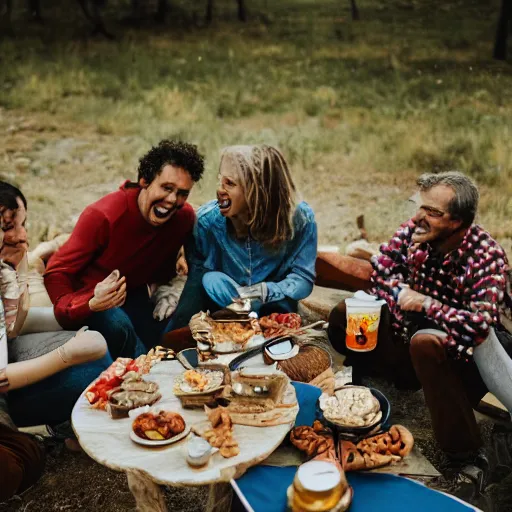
[{"x": 468, "y": 285}]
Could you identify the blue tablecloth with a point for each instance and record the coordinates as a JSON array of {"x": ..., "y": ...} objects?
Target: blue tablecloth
[{"x": 264, "y": 487}]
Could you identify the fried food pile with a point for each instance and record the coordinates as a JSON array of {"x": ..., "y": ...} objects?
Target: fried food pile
[
  {"x": 238, "y": 332},
  {"x": 353, "y": 406},
  {"x": 373, "y": 452},
  {"x": 318, "y": 443},
  {"x": 378, "y": 450},
  {"x": 229, "y": 335},
  {"x": 157, "y": 427},
  {"x": 315, "y": 440},
  {"x": 196, "y": 379},
  {"x": 221, "y": 434}
]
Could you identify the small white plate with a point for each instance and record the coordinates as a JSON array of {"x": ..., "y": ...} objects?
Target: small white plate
[
  {"x": 215, "y": 379},
  {"x": 147, "y": 442}
]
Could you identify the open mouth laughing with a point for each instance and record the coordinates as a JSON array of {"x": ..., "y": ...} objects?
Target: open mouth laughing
[
  {"x": 162, "y": 212},
  {"x": 224, "y": 204}
]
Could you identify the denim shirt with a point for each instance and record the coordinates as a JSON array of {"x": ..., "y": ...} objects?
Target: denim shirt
[{"x": 288, "y": 272}]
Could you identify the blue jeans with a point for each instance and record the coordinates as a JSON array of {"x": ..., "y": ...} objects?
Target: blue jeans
[
  {"x": 130, "y": 330},
  {"x": 51, "y": 400}
]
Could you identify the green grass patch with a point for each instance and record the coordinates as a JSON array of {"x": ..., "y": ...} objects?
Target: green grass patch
[{"x": 409, "y": 88}]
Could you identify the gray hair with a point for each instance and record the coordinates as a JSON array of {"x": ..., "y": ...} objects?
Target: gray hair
[{"x": 464, "y": 204}]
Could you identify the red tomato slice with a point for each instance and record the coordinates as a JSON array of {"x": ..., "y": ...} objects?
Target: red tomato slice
[{"x": 132, "y": 367}]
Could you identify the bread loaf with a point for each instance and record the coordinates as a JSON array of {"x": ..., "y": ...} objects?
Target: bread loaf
[{"x": 310, "y": 362}]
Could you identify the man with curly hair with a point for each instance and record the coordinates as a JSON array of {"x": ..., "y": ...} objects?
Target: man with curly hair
[{"x": 124, "y": 243}]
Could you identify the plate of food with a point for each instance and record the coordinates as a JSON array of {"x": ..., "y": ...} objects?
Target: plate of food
[
  {"x": 97, "y": 394},
  {"x": 224, "y": 336},
  {"x": 355, "y": 409},
  {"x": 158, "y": 428},
  {"x": 199, "y": 381},
  {"x": 132, "y": 393},
  {"x": 199, "y": 386}
]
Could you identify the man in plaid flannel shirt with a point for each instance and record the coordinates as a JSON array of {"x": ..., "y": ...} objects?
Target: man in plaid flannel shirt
[{"x": 444, "y": 280}]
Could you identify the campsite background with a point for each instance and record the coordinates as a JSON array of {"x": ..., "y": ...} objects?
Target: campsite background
[{"x": 359, "y": 108}]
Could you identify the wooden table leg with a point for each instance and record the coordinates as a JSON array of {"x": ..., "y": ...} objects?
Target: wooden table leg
[
  {"x": 148, "y": 495},
  {"x": 219, "y": 498}
]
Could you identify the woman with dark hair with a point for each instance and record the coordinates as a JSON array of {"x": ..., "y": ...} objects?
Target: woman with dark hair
[
  {"x": 255, "y": 241},
  {"x": 42, "y": 374}
]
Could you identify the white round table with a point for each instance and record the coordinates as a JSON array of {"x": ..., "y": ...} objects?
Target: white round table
[{"x": 107, "y": 441}]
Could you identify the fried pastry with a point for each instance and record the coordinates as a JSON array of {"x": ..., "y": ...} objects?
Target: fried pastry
[
  {"x": 313, "y": 440},
  {"x": 156, "y": 427},
  {"x": 376, "y": 451},
  {"x": 221, "y": 434}
]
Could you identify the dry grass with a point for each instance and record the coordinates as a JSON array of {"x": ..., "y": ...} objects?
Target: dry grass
[{"x": 358, "y": 108}]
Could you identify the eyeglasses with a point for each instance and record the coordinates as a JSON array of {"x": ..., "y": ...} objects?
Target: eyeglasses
[{"x": 430, "y": 211}]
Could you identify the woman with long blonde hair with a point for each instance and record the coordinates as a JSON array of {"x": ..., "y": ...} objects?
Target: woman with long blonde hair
[{"x": 255, "y": 241}]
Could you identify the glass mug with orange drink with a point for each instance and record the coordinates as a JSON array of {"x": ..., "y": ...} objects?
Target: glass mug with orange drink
[
  {"x": 363, "y": 317},
  {"x": 318, "y": 486}
]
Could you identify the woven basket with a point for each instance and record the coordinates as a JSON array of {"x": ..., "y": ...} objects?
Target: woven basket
[{"x": 310, "y": 362}]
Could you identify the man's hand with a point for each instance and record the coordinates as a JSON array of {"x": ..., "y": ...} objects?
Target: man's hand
[
  {"x": 409, "y": 300},
  {"x": 109, "y": 293}
]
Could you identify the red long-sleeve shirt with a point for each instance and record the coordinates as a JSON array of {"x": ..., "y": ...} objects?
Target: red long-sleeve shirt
[{"x": 112, "y": 234}]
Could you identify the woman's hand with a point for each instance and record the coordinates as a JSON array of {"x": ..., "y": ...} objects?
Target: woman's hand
[
  {"x": 181, "y": 263},
  {"x": 11, "y": 294},
  {"x": 256, "y": 291},
  {"x": 166, "y": 298},
  {"x": 109, "y": 293}
]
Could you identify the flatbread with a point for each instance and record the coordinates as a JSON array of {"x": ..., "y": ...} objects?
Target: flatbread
[{"x": 277, "y": 416}]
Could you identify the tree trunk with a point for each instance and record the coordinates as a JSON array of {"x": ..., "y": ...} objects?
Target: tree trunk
[
  {"x": 148, "y": 495},
  {"x": 92, "y": 12},
  {"x": 209, "y": 11},
  {"x": 354, "y": 9},
  {"x": 500, "y": 46},
  {"x": 35, "y": 10},
  {"x": 242, "y": 12},
  {"x": 161, "y": 11}
]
